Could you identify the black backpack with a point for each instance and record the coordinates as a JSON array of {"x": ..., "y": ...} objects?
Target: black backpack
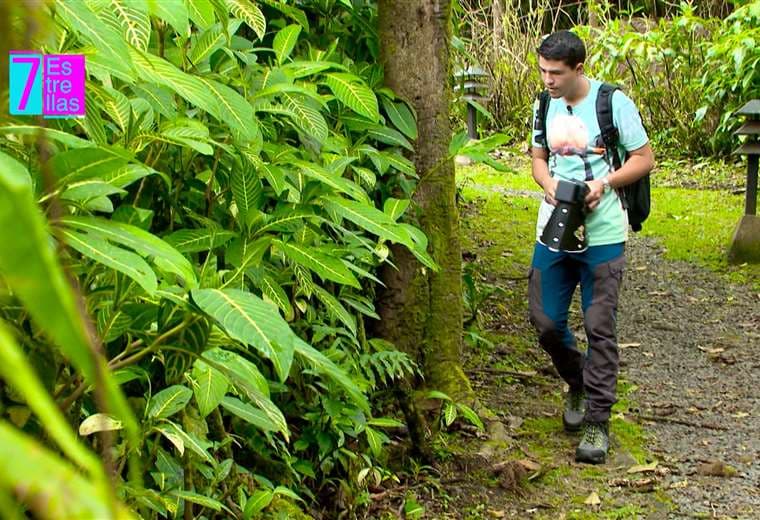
[{"x": 635, "y": 196}]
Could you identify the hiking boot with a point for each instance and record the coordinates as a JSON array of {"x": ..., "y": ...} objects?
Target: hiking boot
[
  {"x": 594, "y": 444},
  {"x": 575, "y": 408}
]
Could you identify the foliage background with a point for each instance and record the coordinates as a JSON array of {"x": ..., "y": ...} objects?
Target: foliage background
[{"x": 219, "y": 214}]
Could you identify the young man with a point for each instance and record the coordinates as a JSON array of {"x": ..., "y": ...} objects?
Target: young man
[{"x": 599, "y": 268}]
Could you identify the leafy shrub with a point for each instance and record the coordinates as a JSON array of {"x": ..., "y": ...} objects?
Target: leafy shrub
[
  {"x": 731, "y": 76},
  {"x": 222, "y": 209},
  {"x": 659, "y": 64}
]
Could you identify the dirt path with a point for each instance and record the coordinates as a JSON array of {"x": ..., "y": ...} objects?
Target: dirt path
[
  {"x": 698, "y": 371},
  {"x": 685, "y": 434}
]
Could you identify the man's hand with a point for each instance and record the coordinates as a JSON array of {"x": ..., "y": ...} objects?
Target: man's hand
[
  {"x": 550, "y": 190},
  {"x": 596, "y": 190}
]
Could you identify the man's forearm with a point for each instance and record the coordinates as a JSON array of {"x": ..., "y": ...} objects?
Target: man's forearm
[
  {"x": 540, "y": 171},
  {"x": 634, "y": 168}
]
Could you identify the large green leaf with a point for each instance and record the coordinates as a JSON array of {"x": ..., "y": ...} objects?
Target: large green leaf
[
  {"x": 402, "y": 117},
  {"x": 17, "y": 371},
  {"x": 201, "y": 500},
  {"x": 207, "y": 43},
  {"x": 249, "y": 382},
  {"x": 299, "y": 69},
  {"x": 201, "y": 12},
  {"x": 247, "y": 190},
  {"x": 173, "y": 12},
  {"x": 64, "y": 138},
  {"x": 30, "y": 268},
  {"x": 130, "y": 173},
  {"x": 154, "y": 69},
  {"x": 305, "y": 116},
  {"x": 274, "y": 176},
  {"x": 321, "y": 364},
  {"x": 89, "y": 190},
  {"x": 133, "y": 21},
  {"x": 194, "y": 240},
  {"x": 284, "y": 41},
  {"x": 106, "y": 39},
  {"x": 336, "y": 309},
  {"x": 221, "y": 101},
  {"x": 353, "y": 93},
  {"x": 249, "y": 414},
  {"x": 250, "y": 14},
  {"x": 394, "y": 208},
  {"x": 114, "y": 257},
  {"x": 341, "y": 184},
  {"x": 209, "y": 387},
  {"x": 272, "y": 290},
  {"x": 238, "y": 369},
  {"x": 160, "y": 98},
  {"x": 173, "y": 431},
  {"x": 285, "y": 219},
  {"x": 51, "y": 486},
  {"x": 390, "y": 136},
  {"x": 188, "y": 132},
  {"x": 251, "y": 320},
  {"x": 326, "y": 266},
  {"x": 87, "y": 163},
  {"x": 117, "y": 106},
  {"x": 233, "y": 110},
  {"x": 210, "y": 41},
  {"x": 369, "y": 218},
  {"x": 399, "y": 162},
  {"x": 169, "y": 401},
  {"x": 164, "y": 255}
]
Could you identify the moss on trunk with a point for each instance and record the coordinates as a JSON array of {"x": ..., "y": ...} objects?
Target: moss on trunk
[{"x": 420, "y": 310}]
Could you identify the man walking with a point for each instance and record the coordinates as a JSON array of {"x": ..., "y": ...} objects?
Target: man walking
[{"x": 567, "y": 146}]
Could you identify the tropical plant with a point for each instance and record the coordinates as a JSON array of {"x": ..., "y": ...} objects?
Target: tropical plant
[{"x": 220, "y": 213}]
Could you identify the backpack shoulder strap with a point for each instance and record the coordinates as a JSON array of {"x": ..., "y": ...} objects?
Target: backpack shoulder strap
[
  {"x": 540, "y": 123},
  {"x": 609, "y": 133}
]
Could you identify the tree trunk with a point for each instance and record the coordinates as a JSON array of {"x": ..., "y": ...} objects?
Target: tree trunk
[
  {"x": 420, "y": 310},
  {"x": 497, "y": 11}
]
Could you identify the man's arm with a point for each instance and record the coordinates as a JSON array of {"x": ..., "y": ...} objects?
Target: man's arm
[
  {"x": 639, "y": 163},
  {"x": 541, "y": 173}
]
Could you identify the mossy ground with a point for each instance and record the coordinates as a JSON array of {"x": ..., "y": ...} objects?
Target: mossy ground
[{"x": 512, "y": 378}]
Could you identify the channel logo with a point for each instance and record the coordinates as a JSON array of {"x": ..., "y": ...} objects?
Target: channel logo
[{"x": 50, "y": 85}]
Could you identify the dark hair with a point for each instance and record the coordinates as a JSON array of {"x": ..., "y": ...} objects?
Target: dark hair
[{"x": 563, "y": 46}]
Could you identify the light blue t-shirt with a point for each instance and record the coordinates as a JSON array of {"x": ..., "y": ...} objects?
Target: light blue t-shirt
[{"x": 608, "y": 223}]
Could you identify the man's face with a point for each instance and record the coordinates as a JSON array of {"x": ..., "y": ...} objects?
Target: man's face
[{"x": 558, "y": 77}]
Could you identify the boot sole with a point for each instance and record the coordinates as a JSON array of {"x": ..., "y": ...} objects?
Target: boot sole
[{"x": 571, "y": 428}]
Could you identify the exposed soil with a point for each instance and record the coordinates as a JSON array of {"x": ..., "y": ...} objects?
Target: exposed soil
[{"x": 685, "y": 434}]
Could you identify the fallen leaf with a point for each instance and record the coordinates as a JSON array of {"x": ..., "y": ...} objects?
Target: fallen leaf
[
  {"x": 642, "y": 468},
  {"x": 679, "y": 485},
  {"x": 716, "y": 468},
  {"x": 593, "y": 499},
  {"x": 497, "y": 514},
  {"x": 629, "y": 345},
  {"x": 529, "y": 465},
  {"x": 641, "y": 485},
  {"x": 740, "y": 415},
  {"x": 649, "y": 354}
]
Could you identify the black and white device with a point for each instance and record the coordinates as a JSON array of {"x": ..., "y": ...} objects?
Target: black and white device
[{"x": 566, "y": 229}]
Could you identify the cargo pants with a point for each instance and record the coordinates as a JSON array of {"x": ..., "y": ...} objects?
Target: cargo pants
[{"x": 552, "y": 281}]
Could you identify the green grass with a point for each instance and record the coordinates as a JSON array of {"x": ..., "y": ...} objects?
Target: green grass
[
  {"x": 694, "y": 225},
  {"x": 508, "y": 222}
]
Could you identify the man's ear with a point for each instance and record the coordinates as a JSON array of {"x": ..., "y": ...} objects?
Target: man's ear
[{"x": 579, "y": 69}]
